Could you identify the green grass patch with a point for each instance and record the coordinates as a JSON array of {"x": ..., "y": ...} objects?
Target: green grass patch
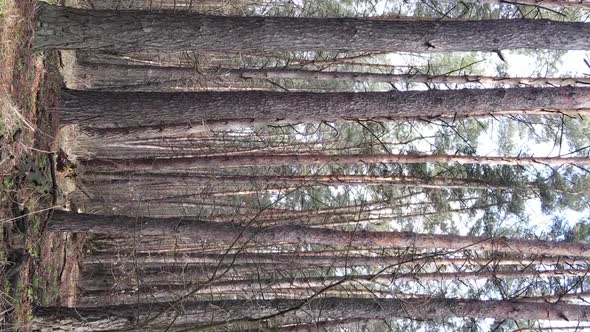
[
  {"x": 2, "y": 7},
  {"x": 34, "y": 289},
  {"x": 3, "y": 258},
  {"x": 2, "y": 125},
  {"x": 18, "y": 294},
  {"x": 8, "y": 183}
]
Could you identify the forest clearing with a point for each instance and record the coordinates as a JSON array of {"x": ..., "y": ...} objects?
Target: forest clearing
[{"x": 278, "y": 165}]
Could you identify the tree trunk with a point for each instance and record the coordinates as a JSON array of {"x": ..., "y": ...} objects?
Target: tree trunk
[
  {"x": 567, "y": 297},
  {"x": 316, "y": 261},
  {"x": 254, "y": 285},
  {"x": 115, "y": 278},
  {"x": 395, "y": 78},
  {"x": 325, "y": 325},
  {"x": 107, "y": 272},
  {"x": 108, "y": 76},
  {"x": 163, "y": 110},
  {"x": 315, "y": 159},
  {"x": 179, "y": 285},
  {"x": 542, "y": 3},
  {"x": 438, "y": 182},
  {"x": 115, "y": 77},
  {"x": 224, "y": 7},
  {"x": 228, "y": 311},
  {"x": 200, "y": 231},
  {"x": 68, "y": 28},
  {"x": 181, "y": 5}
]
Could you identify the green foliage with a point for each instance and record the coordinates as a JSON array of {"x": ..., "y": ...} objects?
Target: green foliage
[
  {"x": 468, "y": 63},
  {"x": 566, "y": 190},
  {"x": 8, "y": 183},
  {"x": 2, "y": 9},
  {"x": 34, "y": 172},
  {"x": 580, "y": 232}
]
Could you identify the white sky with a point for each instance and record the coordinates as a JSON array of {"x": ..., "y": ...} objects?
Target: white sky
[
  {"x": 571, "y": 64},
  {"x": 519, "y": 64}
]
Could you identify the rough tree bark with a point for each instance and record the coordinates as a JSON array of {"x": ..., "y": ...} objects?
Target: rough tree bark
[
  {"x": 102, "y": 279},
  {"x": 541, "y": 3},
  {"x": 316, "y": 261},
  {"x": 314, "y": 159},
  {"x": 109, "y": 76},
  {"x": 211, "y": 312},
  {"x": 566, "y": 297},
  {"x": 251, "y": 285},
  {"x": 178, "y": 285},
  {"x": 162, "y": 110},
  {"x": 68, "y": 28},
  {"x": 155, "y": 5},
  {"x": 107, "y": 272},
  {"x": 438, "y": 182},
  {"x": 387, "y": 78},
  {"x": 226, "y": 232}
]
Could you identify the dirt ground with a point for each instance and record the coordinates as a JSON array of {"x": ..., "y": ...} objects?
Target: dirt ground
[{"x": 36, "y": 267}]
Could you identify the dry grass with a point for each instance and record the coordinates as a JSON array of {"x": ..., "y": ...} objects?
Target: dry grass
[
  {"x": 29, "y": 90},
  {"x": 20, "y": 76}
]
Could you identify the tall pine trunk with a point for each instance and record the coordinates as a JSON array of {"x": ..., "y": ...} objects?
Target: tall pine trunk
[
  {"x": 200, "y": 231},
  {"x": 162, "y": 110},
  {"x": 314, "y": 260},
  {"x": 163, "y": 315},
  {"x": 122, "y": 77},
  {"x": 316, "y": 159},
  {"x": 183, "y": 283},
  {"x": 541, "y": 3},
  {"x": 68, "y": 28},
  {"x": 438, "y": 182}
]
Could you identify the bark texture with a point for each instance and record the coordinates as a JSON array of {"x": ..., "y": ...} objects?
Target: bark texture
[
  {"x": 196, "y": 179},
  {"x": 210, "y": 232},
  {"x": 542, "y": 3},
  {"x": 104, "y": 76},
  {"x": 155, "y": 4},
  {"x": 315, "y": 261},
  {"x": 68, "y": 28},
  {"x": 92, "y": 109},
  {"x": 207, "y": 312},
  {"x": 178, "y": 285},
  {"x": 407, "y": 78},
  {"x": 316, "y": 159}
]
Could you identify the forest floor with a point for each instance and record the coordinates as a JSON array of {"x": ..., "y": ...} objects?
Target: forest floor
[{"x": 36, "y": 267}]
